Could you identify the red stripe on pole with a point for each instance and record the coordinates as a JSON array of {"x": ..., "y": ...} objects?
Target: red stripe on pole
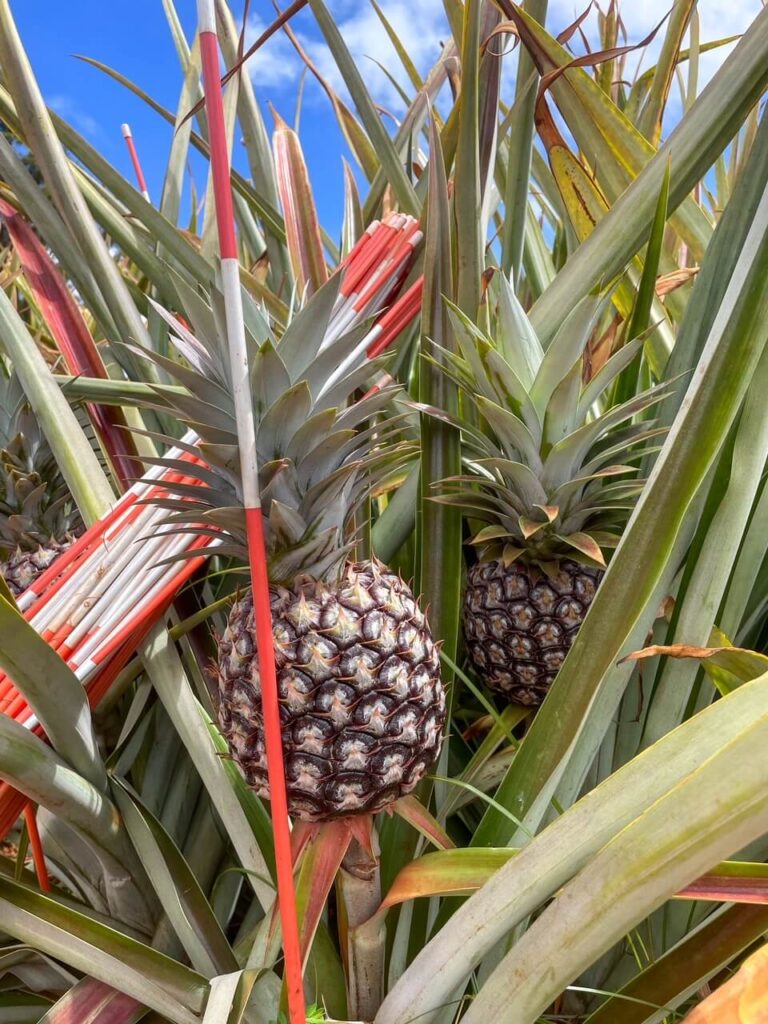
[
  {"x": 262, "y": 620},
  {"x": 357, "y": 274},
  {"x": 36, "y": 846},
  {"x": 53, "y": 578},
  {"x": 256, "y": 549},
  {"x": 149, "y": 610},
  {"x": 397, "y": 318},
  {"x": 141, "y": 180},
  {"x": 214, "y": 106}
]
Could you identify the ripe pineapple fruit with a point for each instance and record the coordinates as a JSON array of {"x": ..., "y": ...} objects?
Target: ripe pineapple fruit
[
  {"x": 361, "y": 699},
  {"x": 38, "y": 518},
  {"x": 544, "y": 473}
]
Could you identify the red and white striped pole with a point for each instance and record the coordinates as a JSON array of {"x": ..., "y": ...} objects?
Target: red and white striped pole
[
  {"x": 128, "y": 136},
  {"x": 246, "y": 431}
]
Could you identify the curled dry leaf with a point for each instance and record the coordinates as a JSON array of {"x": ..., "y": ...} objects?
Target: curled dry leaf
[
  {"x": 667, "y": 283},
  {"x": 726, "y": 666}
]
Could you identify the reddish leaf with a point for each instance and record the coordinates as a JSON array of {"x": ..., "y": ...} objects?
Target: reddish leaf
[
  {"x": 732, "y": 881},
  {"x": 320, "y": 863},
  {"x": 412, "y": 811},
  {"x": 550, "y": 74},
  {"x": 302, "y": 834},
  {"x": 462, "y": 871},
  {"x": 550, "y": 511},
  {"x": 667, "y": 283},
  {"x": 93, "y": 1002},
  {"x": 724, "y": 889},
  {"x": 726, "y": 666},
  {"x": 73, "y": 338},
  {"x": 302, "y": 227},
  {"x": 353, "y": 131},
  {"x": 565, "y": 36},
  {"x": 677, "y": 651},
  {"x": 361, "y": 827},
  {"x": 586, "y": 545},
  {"x": 530, "y": 526}
]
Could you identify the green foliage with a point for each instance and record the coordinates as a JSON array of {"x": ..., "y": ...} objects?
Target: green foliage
[
  {"x": 315, "y": 1015},
  {"x": 576, "y": 269}
]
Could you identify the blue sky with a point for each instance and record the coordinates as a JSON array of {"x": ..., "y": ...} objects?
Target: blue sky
[{"x": 134, "y": 38}]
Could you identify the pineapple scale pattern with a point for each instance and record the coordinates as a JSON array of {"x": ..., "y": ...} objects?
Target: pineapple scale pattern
[
  {"x": 519, "y": 623},
  {"x": 361, "y": 700}
]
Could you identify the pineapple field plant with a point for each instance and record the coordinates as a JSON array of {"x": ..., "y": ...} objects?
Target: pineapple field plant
[
  {"x": 515, "y": 557},
  {"x": 551, "y": 482},
  {"x": 38, "y": 517},
  {"x": 362, "y": 701}
]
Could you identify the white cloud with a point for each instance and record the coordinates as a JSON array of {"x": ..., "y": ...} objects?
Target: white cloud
[
  {"x": 70, "y": 110},
  {"x": 422, "y": 26},
  {"x": 717, "y": 20},
  {"x": 276, "y": 63}
]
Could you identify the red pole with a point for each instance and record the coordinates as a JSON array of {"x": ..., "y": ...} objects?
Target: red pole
[
  {"x": 230, "y": 272},
  {"x": 128, "y": 136},
  {"x": 37, "y": 848}
]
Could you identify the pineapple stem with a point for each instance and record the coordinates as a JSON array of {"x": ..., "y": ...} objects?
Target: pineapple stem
[{"x": 359, "y": 889}]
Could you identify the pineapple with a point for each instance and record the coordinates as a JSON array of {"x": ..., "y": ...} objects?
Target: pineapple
[
  {"x": 361, "y": 699},
  {"x": 362, "y": 704},
  {"x": 38, "y": 518},
  {"x": 547, "y": 475}
]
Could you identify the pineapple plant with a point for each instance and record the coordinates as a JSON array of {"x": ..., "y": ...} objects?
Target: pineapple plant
[
  {"x": 38, "y": 518},
  {"x": 565, "y": 915},
  {"x": 362, "y": 704},
  {"x": 551, "y": 477}
]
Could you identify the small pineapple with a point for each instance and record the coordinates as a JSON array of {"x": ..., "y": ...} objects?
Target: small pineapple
[
  {"x": 38, "y": 518},
  {"x": 519, "y": 622},
  {"x": 544, "y": 475},
  {"x": 361, "y": 699}
]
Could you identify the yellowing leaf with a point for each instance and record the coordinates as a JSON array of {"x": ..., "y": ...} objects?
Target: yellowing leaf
[
  {"x": 489, "y": 533},
  {"x": 448, "y": 872},
  {"x": 742, "y": 1000},
  {"x": 727, "y": 666},
  {"x": 530, "y": 526},
  {"x": 585, "y": 545}
]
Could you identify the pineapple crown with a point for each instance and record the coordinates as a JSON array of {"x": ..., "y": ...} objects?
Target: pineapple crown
[
  {"x": 546, "y": 454},
  {"x": 35, "y": 504},
  {"x": 320, "y": 451}
]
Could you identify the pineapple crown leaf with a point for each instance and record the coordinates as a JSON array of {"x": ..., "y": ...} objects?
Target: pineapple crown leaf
[
  {"x": 540, "y": 446},
  {"x": 319, "y": 451},
  {"x": 566, "y": 348},
  {"x": 530, "y": 527},
  {"x": 488, "y": 533},
  {"x": 510, "y": 554},
  {"x": 585, "y": 545},
  {"x": 36, "y": 507},
  {"x": 519, "y": 346}
]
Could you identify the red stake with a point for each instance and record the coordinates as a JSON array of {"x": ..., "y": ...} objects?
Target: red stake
[
  {"x": 37, "y": 848},
  {"x": 128, "y": 136},
  {"x": 230, "y": 272}
]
